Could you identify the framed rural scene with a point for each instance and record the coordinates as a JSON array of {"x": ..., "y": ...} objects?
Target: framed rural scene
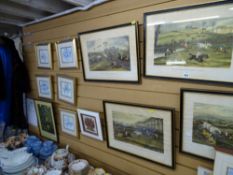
[
  {"x": 44, "y": 86},
  {"x": 206, "y": 122},
  {"x": 111, "y": 54},
  {"x": 44, "y": 55},
  {"x": 66, "y": 89},
  {"x": 68, "y": 122},
  {"x": 67, "y": 54},
  {"x": 145, "y": 132},
  {"x": 90, "y": 124},
  {"x": 192, "y": 43},
  {"x": 46, "y": 121}
]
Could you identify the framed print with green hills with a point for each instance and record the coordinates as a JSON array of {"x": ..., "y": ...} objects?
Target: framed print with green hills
[
  {"x": 191, "y": 43},
  {"x": 206, "y": 122},
  {"x": 111, "y": 54},
  {"x": 142, "y": 131}
]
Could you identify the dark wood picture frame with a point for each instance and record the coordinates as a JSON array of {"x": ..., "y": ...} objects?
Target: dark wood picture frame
[
  {"x": 186, "y": 76},
  {"x": 172, "y": 128},
  {"x": 137, "y": 54},
  {"x": 182, "y": 103}
]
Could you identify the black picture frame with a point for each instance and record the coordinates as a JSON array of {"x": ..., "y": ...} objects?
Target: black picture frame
[
  {"x": 172, "y": 130},
  {"x": 187, "y": 74},
  {"x": 207, "y": 154},
  {"x": 137, "y": 60}
]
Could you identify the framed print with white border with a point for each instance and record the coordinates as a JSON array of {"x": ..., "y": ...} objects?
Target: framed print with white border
[
  {"x": 44, "y": 86},
  {"x": 66, "y": 89},
  {"x": 44, "y": 55},
  {"x": 46, "y": 121},
  {"x": 68, "y": 122},
  {"x": 206, "y": 122},
  {"x": 143, "y": 131},
  {"x": 111, "y": 54},
  {"x": 90, "y": 124},
  {"x": 67, "y": 54},
  {"x": 190, "y": 43}
]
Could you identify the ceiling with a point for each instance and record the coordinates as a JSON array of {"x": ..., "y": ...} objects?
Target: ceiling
[{"x": 17, "y": 13}]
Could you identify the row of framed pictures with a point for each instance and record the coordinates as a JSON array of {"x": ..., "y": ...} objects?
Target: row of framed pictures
[
  {"x": 66, "y": 88},
  {"x": 148, "y": 131},
  {"x": 191, "y": 43}
]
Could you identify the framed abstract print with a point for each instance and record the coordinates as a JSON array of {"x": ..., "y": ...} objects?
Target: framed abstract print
[
  {"x": 223, "y": 162},
  {"x": 206, "y": 122},
  {"x": 142, "y": 131},
  {"x": 191, "y": 43},
  {"x": 66, "y": 89},
  {"x": 68, "y": 122},
  {"x": 67, "y": 54},
  {"x": 111, "y": 54},
  {"x": 44, "y": 55},
  {"x": 46, "y": 121},
  {"x": 44, "y": 86},
  {"x": 90, "y": 124}
]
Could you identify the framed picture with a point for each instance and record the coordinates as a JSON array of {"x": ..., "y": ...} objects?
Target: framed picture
[
  {"x": 44, "y": 55},
  {"x": 66, "y": 89},
  {"x": 67, "y": 54},
  {"x": 44, "y": 86},
  {"x": 223, "y": 162},
  {"x": 31, "y": 112},
  {"x": 68, "y": 122},
  {"x": 142, "y": 131},
  {"x": 46, "y": 121},
  {"x": 191, "y": 43},
  {"x": 206, "y": 122},
  {"x": 111, "y": 54},
  {"x": 90, "y": 124}
]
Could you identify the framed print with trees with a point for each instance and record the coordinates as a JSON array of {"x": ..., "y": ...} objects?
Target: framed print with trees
[
  {"x": 111, "y": 54},
  {"x": 191, "y": 43},
  {"x": 206, "y": 122},
  {"x": 142, "y": 131}
]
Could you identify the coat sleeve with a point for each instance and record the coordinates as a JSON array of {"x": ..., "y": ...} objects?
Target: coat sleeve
[{"x": 2, "y": 82}]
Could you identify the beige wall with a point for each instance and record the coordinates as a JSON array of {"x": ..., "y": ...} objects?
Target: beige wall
[{"x": 156, "y": 92}]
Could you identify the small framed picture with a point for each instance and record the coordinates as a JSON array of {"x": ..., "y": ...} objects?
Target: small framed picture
[
  {"x": 223, "y": 162},
  {"x": 31, "y": 112},
  {"x": 68, "y": 122},
  {"x": 190, "y": 43},
  {"x": 206, "y": 122},
  {"x": 46, "y": 121},
  {"x": 90, "y": 124},
  {"x": 44, "y": 55},
  {"x": 142, "y": 131},
  {"x": 111, "y": 54},
  {"x": 66, "y": 89},
  {"x": 44, "y": 86},
  {"x": 67, "y": 54}
]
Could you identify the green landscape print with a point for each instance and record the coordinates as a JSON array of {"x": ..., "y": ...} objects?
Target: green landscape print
[
  {"x": 213, "y": 125},
  {"x": 203, "y": 43},
  {"x": 139, "y": 130},
  {"x": 111, "y": 54}
]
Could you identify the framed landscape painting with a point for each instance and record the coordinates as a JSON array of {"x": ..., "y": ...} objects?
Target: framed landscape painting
[
  {"x": 46, "y": 121},
  {"x": 142, "y": 131},
  {"x": 206, "y": 122},
  {"x": 66, "y": 89},
  {"x": 44, "y": 55},
  {"x": 192, "y": 43},
  {"x": 67, "y": 54},
  {"x": 68, "y": 122},
  {"x": 90, "y": 124},
  {"x": 44, "y": 86},
  {"x": 111, "y": 54}
]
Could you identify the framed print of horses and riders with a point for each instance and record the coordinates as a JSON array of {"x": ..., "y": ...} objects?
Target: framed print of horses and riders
[{"x": 193, "y": 43}]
